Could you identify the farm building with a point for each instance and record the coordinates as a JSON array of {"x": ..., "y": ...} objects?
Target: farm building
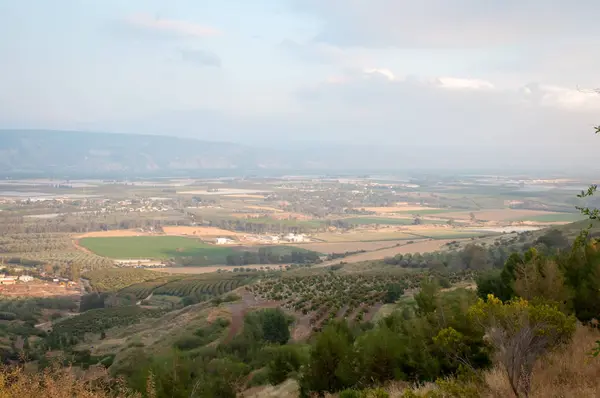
[
  {"x": 295, "y": 238},
  {"x": 25, "y": 278}
]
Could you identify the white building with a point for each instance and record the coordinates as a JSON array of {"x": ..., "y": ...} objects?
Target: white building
[
  {"x": 25, "y": 278},
  {"x": 295, "y": 238},
  {"x": 223, "y": 241}
]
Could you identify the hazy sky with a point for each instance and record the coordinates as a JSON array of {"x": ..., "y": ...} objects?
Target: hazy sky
[{"x": 477, "y": 75}]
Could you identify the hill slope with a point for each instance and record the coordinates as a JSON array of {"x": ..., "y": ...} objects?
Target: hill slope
[{"x": 46, "y": 152}]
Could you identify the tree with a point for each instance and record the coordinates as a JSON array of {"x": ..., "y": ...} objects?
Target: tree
[
  {"x": 330, "y": 365},
  {"x": 284, "y": 361},
  {"x": 393, "y": 292},
  {"x": 275, "y": 326},
  {"x": 541, "y": 278},
  {"x": 427, "y": 297},
  {"x": 522, "y": 332}
]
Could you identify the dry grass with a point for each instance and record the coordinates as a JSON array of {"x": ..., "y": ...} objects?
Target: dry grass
[
  {"x": 570, "y": 372},
  {"x": 113, "y": 233},
  {"x": 56, "y": 382}
]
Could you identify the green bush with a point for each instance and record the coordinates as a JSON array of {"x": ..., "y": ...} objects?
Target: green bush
[{"x": 188, "y": 343}]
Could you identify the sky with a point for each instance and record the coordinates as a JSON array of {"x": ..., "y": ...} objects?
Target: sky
[{"x": 488, "y": 79}]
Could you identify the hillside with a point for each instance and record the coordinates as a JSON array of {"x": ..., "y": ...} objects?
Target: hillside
[{"x": 42, "y": 152}]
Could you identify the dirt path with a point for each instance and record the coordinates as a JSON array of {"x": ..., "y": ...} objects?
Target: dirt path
[
  {"x": 81, "y": 248},
  {"x": 241, "y": 308}
]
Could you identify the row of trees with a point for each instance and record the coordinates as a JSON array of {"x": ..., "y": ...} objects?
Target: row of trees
[{"x": 266, "y": 255}]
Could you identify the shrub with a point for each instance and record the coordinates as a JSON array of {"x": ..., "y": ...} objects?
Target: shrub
[
  {"x": 521, "y": 333},
  {"x": 188, "y": 343}
]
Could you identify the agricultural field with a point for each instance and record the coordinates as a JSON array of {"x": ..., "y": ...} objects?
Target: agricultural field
[
  {"x": 343, "y": 247},
  {"x": 101, "y": 319},
  {"x": 363, "y": 235},
  {"x": 193, "y": 252},
  {"x": 117, "y": 278},
  {"x": 554, "y": 218},
  {"x": 156, "y": 247},
  {"x": 406, "y": 209},
  {"x": 318, "y": 299},
  {"x": 417, "y": 247},
  {"x": 507, "y": 215},
  {"x": 196, "y": 288}
]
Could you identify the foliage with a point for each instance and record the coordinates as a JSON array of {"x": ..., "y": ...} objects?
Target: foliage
[
  {"x": 111, "y": 279},
  {"x": 433, "y": 344},
  {"x": 581, "y": 269},
  {"x": 57, "y": 382},
  {"x": 394, "y": 292},
  {"x": 329, "y": 367},
  {"x": 330, "y": 295},
  {"x": 284, "y": 361},
  {"x": 521, "y": 333},
  {"x": 68, "y": 331},
  {"x": 276, "y": 255}
]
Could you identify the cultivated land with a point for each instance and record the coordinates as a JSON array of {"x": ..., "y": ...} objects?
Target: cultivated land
[
  {"x": 154, "y": 247},
  {"x": 503, "y": 214},
  {"x": 417, "y": 247}
]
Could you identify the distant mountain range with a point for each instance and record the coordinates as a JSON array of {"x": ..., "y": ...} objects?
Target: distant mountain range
[{"x": 69, "y": 153}]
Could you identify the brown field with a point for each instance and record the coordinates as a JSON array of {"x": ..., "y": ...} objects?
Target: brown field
[
  {"x": 396, "y": 209},
  {"x": 496, "y": 215},
  {"x": 365, "y": 235},
  {"x": 342, "y": 247},
  {"x": 417, "y": 247},
  {"x": 113, "y": 233},
  {"x": 290, "y": 216},
  {"x": 266, "y": 208},
  {"x": 198, "y": 231},
  {"x": 38, "y": 289}
]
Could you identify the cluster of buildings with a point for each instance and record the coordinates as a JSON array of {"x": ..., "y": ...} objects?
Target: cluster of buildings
[{"x": 268, "y": 239}]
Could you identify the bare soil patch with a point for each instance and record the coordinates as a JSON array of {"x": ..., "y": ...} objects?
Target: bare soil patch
[
  {"x": 113, "y": 233},
  {"x": 40, "y": 289}
]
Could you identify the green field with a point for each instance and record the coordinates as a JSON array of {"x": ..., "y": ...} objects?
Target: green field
[
  {"x": 156, "y": 247},
  {"x": 387, "y": 221},
  {"x": 557, "y": 217},
  {"x": 166, "y": 247}
]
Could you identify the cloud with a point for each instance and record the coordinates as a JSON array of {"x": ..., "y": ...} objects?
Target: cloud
[
  {"x": 442, "y": 23},
  {"x": 564, "y": 98},
  {"x": 170, "y": 26},
  {"x": 381, "y": 72},
  {"x": 201, "y": 57},
  {"x": 547, "y": 123},
  {"x": 455, "y": 83}
]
